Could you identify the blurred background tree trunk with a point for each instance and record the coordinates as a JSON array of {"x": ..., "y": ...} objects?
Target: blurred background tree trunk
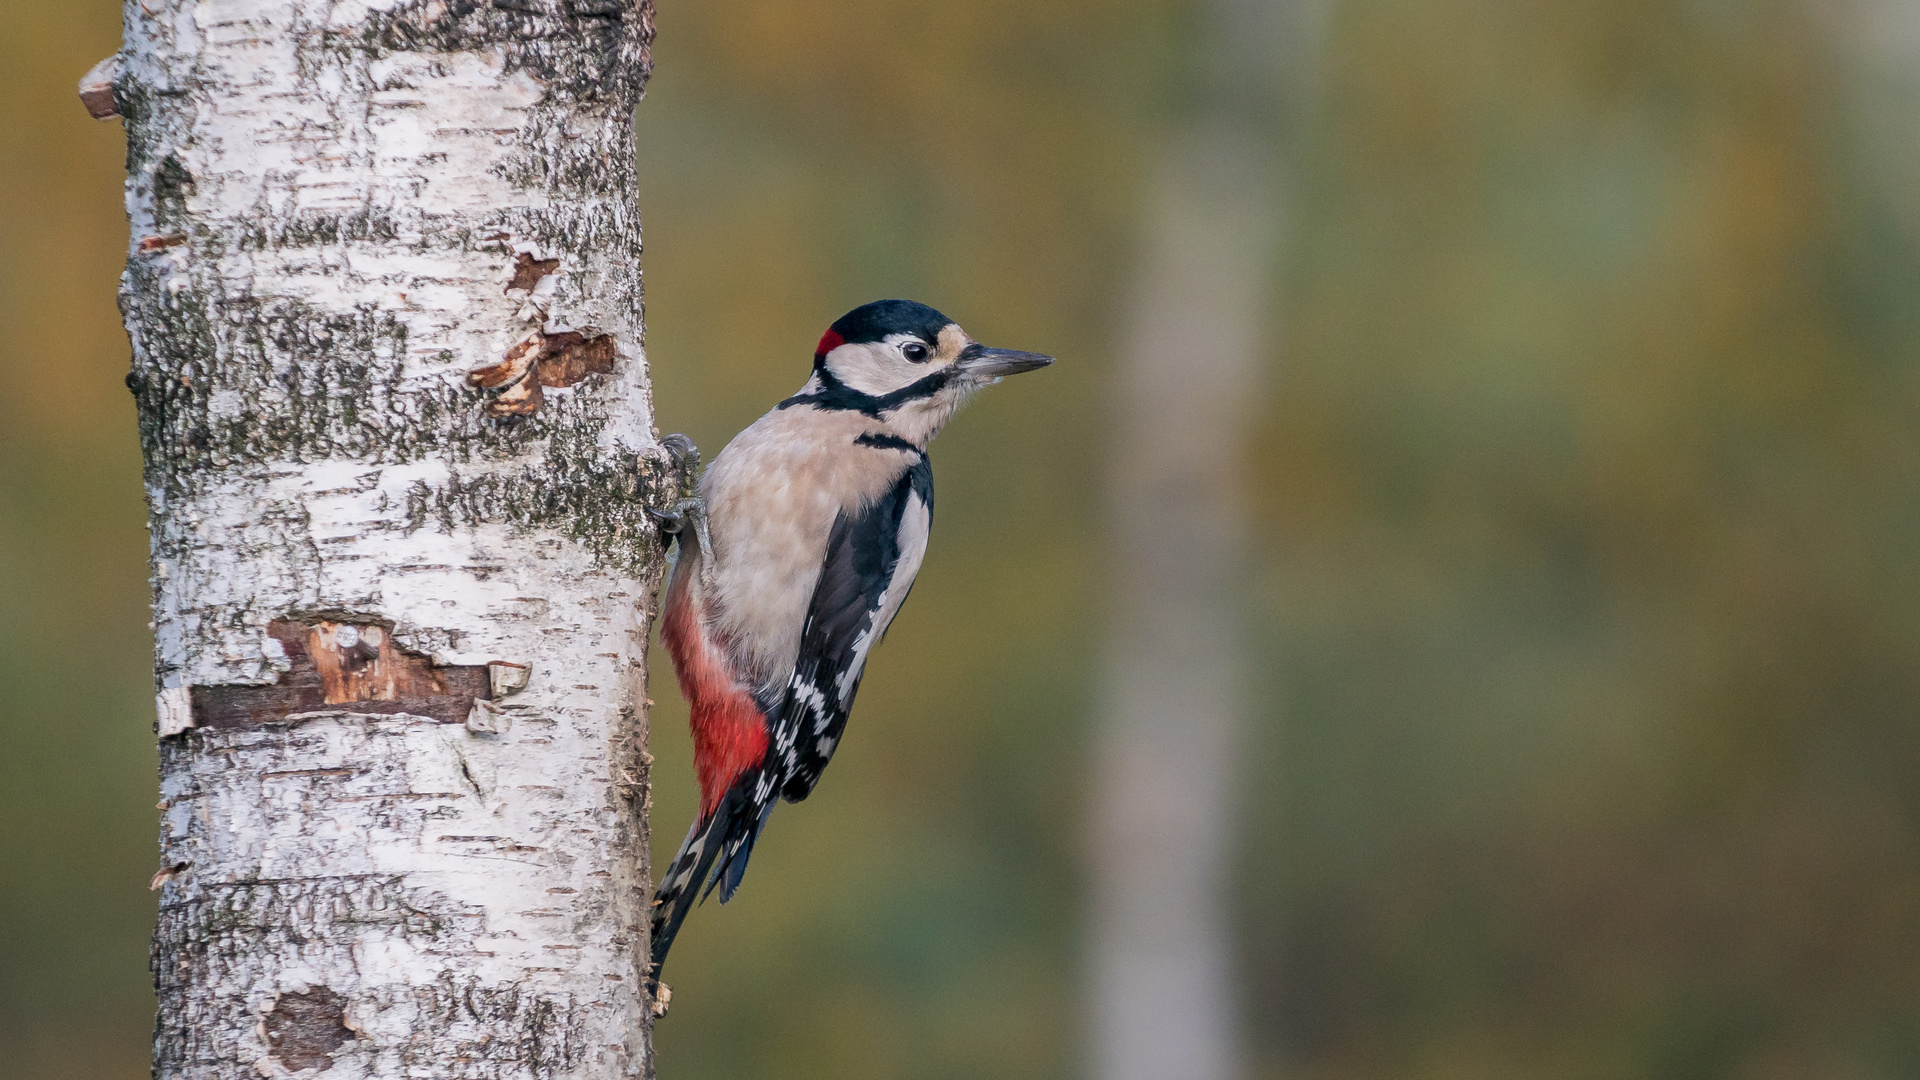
[
  {"x": 384, "y": 298},
  {"x": 1198, "y": 328},
  {"x": 1879, "y": 53}
]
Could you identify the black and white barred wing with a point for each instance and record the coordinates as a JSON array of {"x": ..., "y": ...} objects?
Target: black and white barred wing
[{"x": 871, "y": 562}]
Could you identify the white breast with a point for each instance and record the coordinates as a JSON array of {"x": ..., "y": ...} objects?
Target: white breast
[{"x": 772, "y": 496}]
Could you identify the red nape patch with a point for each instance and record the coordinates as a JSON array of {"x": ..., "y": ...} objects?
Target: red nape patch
[
  {"x": 829, "y": 341},
  {"x": 729, "y": 731}
]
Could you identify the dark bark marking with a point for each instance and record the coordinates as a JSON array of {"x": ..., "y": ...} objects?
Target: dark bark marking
[
  {"x": 345, "y": 664},
  {"x": 597, "y": 499},
  {"x": 172, "y": 184},
  {"x": 304, "y": 1030},
  {"x": 594, "y": 51}
]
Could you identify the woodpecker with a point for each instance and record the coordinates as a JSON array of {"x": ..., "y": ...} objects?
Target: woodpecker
[{"x": 793, "y": 558}]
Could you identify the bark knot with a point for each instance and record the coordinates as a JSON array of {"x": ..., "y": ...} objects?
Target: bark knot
[{"x": 303, "y": 1030}]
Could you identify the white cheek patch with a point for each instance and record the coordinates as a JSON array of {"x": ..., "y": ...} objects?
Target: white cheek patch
[
  {"x": 869, "y": 367},
  {"x": 876, "y": 367}
]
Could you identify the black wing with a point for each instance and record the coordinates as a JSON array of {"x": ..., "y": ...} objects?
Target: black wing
[{"x": 871, "y": 562}]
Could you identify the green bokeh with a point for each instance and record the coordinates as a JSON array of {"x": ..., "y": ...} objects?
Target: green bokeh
[{"x": 1585, "y": 484}]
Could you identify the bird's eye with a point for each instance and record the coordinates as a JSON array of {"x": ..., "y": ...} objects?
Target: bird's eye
[{"x": 915, "y": 352}]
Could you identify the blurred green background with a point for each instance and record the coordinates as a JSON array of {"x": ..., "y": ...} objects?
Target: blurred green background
[{"x": 1588, "y": 494}]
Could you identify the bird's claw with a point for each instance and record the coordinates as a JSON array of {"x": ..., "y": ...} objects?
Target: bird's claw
[
  {"x": 671, "y": 520},
  {"x": 690, "y": 508},
  {"x": 689, "y": 515},
  {"x": 686, "y": 459}
]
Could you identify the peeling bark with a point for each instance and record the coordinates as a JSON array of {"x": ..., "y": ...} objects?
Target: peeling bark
[
  {"x": 96, "y": 88},
  {"x": 556, "y": 360},
  {"x": 338, "y": 664},
  {"x": 400, "y": 631}
]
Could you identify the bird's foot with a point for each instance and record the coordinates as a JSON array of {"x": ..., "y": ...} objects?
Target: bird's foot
[
  {"x": 690, "y": 510},
  {"x": 674, "y": 519},
  {"x": 689, "y": 515},
  {"x": 686, "y": 461}
]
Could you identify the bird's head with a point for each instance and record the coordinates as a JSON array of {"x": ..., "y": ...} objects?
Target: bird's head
[{"x": 895, "y": 354}]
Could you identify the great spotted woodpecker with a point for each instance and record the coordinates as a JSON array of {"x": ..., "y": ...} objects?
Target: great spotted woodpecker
[{"x": 794, "y": 557}]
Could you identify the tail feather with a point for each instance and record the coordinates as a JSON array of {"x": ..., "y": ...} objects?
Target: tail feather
[
  {"x": 739, "y": 846},
  {"x": 725, "y": 838}
]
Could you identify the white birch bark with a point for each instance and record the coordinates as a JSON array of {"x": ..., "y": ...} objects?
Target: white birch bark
[
  {"x": 400, "y": 620},
  {"x": 1163, "y": 999}
]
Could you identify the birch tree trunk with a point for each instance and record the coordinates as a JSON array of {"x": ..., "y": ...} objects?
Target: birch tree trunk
[
  {"x": 400, "y": 609},
  {"x": 1163, "y": 1002}
]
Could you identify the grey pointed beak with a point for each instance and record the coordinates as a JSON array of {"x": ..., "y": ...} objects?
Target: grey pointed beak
[{"x": 985, "y": 363}]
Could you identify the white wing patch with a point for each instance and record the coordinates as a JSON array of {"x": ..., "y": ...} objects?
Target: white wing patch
[{"x": 809, "y": 697}]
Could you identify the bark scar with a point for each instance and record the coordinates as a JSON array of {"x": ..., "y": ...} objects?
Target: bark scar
[
  {"x": 362, "y": 663},
  {"x": 345, "y": 664},
  {"x": 303, "y": 1030},
  {"x": 542, "y": 360},
  {"x": 527, "y": 271},
  {"x": 161, "y": 242}
]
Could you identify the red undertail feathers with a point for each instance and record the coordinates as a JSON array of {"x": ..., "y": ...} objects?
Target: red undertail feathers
[{"x": 729, "y": 730}]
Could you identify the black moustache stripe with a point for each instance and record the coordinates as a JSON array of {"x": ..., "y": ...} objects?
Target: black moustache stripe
[
  {"x": 886, "y": 442},
  {"x": 834, "y": 394}
]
